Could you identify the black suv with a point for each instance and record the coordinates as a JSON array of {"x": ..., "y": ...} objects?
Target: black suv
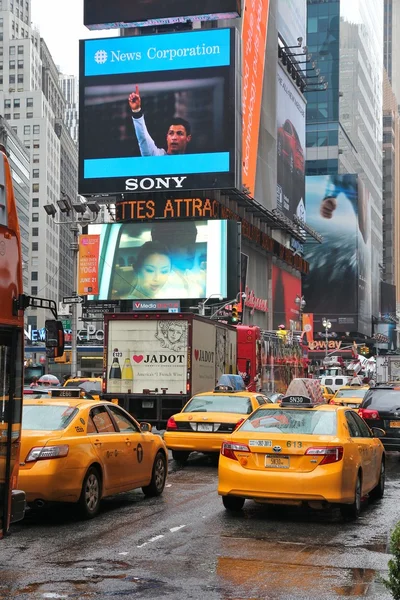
[{"x": 381, "y": 408}]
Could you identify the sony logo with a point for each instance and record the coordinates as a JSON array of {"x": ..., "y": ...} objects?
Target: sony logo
[{"x": 156, "y": 183}]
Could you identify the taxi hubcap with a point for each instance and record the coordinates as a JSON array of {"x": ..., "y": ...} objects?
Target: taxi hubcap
[
  {"x": 159, "y": 473},
  {"x": 92, "y": 492}
]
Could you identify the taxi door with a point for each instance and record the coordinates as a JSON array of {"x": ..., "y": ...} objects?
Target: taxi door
[
  {"x": 109, "y": 446},
  {"x": 367, "y": 450},
  {"x": 139, "y": 448}
]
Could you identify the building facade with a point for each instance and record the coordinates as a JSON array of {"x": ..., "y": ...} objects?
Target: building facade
[{"x": 69, "y": 86}]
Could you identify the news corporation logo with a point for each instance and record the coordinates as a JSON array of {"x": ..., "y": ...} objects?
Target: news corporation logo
[{"x": 100, "y": 57}]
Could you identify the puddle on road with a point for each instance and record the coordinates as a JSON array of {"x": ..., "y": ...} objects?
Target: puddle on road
[{"x": 268, "y": 579}]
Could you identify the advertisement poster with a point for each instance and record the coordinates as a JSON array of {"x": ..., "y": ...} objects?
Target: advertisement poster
[
  {"x": 291, "y": 145},
  {"x": 88, "y": 282},
  {"x": 147, "y": 355},
  {"x": 254, "y": 40},
  {"x": 158, "y": 113},
  {"x": 141, "y": 13},
  {"x": 162, "y": 260},
  {"x": 285, "y": 289},
  {"x": 338, "y": 285}
]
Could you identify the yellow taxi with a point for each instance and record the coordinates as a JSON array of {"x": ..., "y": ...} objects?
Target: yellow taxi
[
  {"x": 91, "y": 385},
  {"x": 327, "y": 392},
  {"x": 207, "y": 418},
  {"x": 350, "y": 396},
  {"x": 75, "y": 450},
  {"x": 302, "y": 453}
]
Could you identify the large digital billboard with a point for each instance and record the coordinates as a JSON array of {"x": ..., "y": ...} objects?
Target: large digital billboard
[
  {"x": 291, "y": 147},
  {"x": 338, "y": 285},
  {"x": 103, "y": 14},
  {"x": 162, "y": 260},
  {"x": 158, "y": 113},
  {"x": 285, "y": 289}
]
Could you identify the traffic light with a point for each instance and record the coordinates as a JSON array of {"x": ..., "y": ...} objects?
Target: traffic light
[{"x": 234, "y": 314}]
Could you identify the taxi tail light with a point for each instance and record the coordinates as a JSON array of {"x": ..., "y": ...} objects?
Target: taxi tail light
[
  {"x": 171, "y": 424},
  {"x": 238, "y": 424},
  {"x": 47, "y": 452},
  {"x": 330, "y": 454},
  {"x": 367, "y": 413},
  {"x": 228, "y": 449}
]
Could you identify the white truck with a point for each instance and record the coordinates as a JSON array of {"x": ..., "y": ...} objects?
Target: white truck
[
  {"x": 154, "y": 363},
  {"x": 388, "y": 368}
]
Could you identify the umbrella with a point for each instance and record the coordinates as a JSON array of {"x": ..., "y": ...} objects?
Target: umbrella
[{"x": 48, "y": 380}]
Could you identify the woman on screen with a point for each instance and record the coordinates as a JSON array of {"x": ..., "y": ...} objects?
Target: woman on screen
[{"x": 152, "y": 271}]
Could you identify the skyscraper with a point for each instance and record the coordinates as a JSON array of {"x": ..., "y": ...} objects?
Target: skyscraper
[{"x": 69, "y": 87}]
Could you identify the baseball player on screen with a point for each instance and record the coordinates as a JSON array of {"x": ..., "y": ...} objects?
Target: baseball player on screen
[{"x": 178, "y": 134}]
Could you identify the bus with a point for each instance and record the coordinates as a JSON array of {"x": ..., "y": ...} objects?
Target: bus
[{"x": 13, "y": 303}]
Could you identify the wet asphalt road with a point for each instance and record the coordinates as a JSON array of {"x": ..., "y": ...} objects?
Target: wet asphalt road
[{"x": 184, "y": 546}]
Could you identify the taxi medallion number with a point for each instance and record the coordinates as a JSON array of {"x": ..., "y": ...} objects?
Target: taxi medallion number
[{"x": 277, "y": 462}]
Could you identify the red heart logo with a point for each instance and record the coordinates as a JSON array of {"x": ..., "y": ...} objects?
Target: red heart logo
[
  {"x": 138, "y": 358},
  {"x": 196, "y": 354}
]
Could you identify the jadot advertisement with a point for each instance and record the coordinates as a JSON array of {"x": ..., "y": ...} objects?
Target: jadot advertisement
[{"x": 144, "y": 355}]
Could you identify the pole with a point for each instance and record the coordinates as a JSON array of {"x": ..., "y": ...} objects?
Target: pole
[
  {"x": 74, "y": 308},
  {"x": 326, "y": 342}
]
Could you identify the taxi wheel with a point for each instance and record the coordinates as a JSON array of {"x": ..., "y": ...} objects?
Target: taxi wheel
[
  {"x": 158, "y": 477},
  {"x": 378, "y": 491},
  {"x": 233, "y": 503},
  {"x": 352, "y": 511},
  {"x": 89, "y": 502},
  {"x": 180, "y": 456}
]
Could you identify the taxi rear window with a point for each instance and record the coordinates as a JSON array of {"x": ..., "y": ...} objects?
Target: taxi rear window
[
  {"x": 226, "y": 403},
  {"x": 47, "y": 418},
  {"x": 351, "y": 393},
  {"x": 308, "y": 422}
]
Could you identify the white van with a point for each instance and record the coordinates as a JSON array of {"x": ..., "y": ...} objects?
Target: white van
[{"x": 336, "y": 382}]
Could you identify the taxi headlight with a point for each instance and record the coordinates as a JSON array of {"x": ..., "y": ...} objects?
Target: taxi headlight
[{"x": 46, "y": 452}]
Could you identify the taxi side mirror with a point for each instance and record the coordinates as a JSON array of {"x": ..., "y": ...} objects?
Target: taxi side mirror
[
  {"x": 145, "y": 427},
  {"x": 378, "y": 432}
]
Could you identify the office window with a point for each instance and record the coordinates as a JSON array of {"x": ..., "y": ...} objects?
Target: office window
[
  {"x": 7, "y": 103},
  {"x": 11, "y": 79},
  {"x": 35, "y": 246},
  {"x": 29, "y": 115},
  {"x": 34, "y": 276},
  {"x": 20, "y": 64},
  {"x": 34, "y": 290},
  {"x": 35, "y": 173},
  {"x": 35, "y": 188},
  {"x": 36, "y": 129},
  {"x": 35, "y": 202},
  {"x": 29, "y": 102},
  {"x": 20, "y": 78},
  {"x": 7, "y": 116},
  {"x": 36, "y": 158},
  {"x": 17, "y": 102},
  {"x": 12, "y": 64},
  {"x": 20, "y": 49},
  {"x": 36, "y": 144},
  {"x": 12, "y": 50},
  {"x": 35, "y": 217},
  {"x": 27, "y": 130},
  {"x": 16, "y": 115},
  {"x": 35, "y": 231}
]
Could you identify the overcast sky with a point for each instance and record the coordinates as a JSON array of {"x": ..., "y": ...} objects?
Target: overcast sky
[{"x": 61, "y": 26}]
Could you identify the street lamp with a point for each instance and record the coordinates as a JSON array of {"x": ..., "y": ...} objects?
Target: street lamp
[
  {"x": 300, "y": 302},
  {"x": 327, "y": 324},
  {"x": 202, "y": 305},
  {"x": 78, "y": 207}
]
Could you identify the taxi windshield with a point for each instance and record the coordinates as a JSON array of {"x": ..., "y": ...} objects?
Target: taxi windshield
[
  {"x": 351, "y": 393},
  {"x": 305, "y": 421},
  {"x": 47, "y": 418},
  {"x": 226, "y": 403}
]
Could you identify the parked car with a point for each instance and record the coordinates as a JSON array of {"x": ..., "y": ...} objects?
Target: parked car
[{"x": 381, "y": 408}]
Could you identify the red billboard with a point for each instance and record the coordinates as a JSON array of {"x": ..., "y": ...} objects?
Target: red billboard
[{"x": 285, "y": 289}]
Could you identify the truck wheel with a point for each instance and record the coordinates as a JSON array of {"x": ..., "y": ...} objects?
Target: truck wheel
[
  {"x": 180, "y": 457},
  {"x": 233, "y": 503},
  {"x": 158, "y": 477},
  {"x": 89, "y": 502}
]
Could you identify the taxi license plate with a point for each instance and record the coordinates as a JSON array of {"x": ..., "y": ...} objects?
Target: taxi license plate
[
  {"x": 277, "y": 462},
  {"x": 204, "y": 427},
  {"x": 394, "y": 424}
]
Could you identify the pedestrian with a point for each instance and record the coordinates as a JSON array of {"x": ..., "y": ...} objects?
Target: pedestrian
[{"x": 34, "y": 382}]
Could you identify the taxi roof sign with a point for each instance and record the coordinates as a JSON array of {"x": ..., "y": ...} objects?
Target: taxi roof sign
[
  {"x": 298, "y": 401},
  {"x": 224, "y": 388},
  {"x": 66, "y": 393}
]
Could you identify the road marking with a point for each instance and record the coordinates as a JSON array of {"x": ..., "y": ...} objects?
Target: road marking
[
  {"x": 153, "y": 539},
  {"x": 173, "y": 529},
  {"x": 123, "y": 553}
]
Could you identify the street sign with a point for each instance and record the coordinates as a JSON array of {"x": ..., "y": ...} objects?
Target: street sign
[{"x": 73, "y": 300}]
